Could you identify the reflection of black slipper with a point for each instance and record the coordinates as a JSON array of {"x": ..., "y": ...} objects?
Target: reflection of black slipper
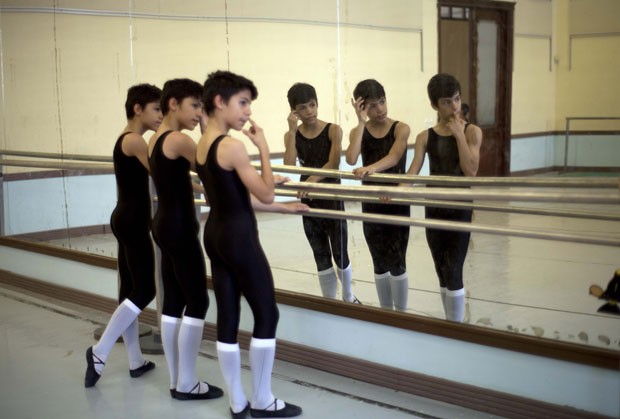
[
  {"x": 92, "y": 376},
  {"x": 213, "y": 393},
  {"x": 148, "y": 365},
  {"x": 610, "y": 307},
  {"x": 242, "y": 414},
  {"x": 288, "y": 411}
]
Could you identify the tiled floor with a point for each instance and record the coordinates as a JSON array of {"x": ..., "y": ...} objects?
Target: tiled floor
[{"x": 42, "y": 345}]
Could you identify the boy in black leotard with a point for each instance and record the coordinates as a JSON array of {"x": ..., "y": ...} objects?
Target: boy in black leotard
[
  {"x": 175, "y": 229},
  {"x": 131, "y": 225},
  {"x": 453, "y": 148},
  {"x": 382, "y": 142},
  {"x": 316, "y": 143},
  {"x": 239, "y": 266}
]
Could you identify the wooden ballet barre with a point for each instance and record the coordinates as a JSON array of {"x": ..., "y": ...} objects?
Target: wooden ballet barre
[
  {"x": 459, "y": 194},
  {"x": 589, "y": 215},
  {"x": 544, "y": 182},
  {"x": 461, "y": 226},
  {"x": 106, "y": 167},
  {"x": 55, "y": 156}
]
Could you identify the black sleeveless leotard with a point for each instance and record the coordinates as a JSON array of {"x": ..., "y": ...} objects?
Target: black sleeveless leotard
[
  {"x": 448, "y": 248},
  {"x": 387, "y": 243},
  {"x": 238, "y": 263},
  {"x": 131, "y": 225},
  {"x": 175, "y": 230},
  {"x": 320, "y": 232}
]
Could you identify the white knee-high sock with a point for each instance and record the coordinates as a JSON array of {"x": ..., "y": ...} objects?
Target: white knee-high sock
[
  {"x": 400, "y": 291},
  {"x": 123, "y": 316},
  {"x": 170, "y": 327},
  {"x": 455, "y": 305},
  {"x": 384, "y": 290},
  {"x": 190, "y": 336},
  {"x": 262, "y": 355},
  {"x": 346, "y": 277},
  {"x": 229, "y": 358},
  {"x": 131, "y": 338},
  {"x": 328, "y": 282}
]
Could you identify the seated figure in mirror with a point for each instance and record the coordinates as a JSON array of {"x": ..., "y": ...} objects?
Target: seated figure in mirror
[
  {"x": 382, "y": 143},
  {"x": 453, "y": 148},
  {"x": 316, "y": 143}
]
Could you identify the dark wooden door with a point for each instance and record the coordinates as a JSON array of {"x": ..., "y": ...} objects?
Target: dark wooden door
[{"x": 475, "y": 45}]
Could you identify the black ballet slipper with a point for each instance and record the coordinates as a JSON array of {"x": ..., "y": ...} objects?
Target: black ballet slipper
[
  {"x": 242, "y": 414},
  {"x": 173, "y": 393},
  {"x": 288, "y": 411},
  {"x": 92, "y": 376},
  {"x": 213, "y": 393},
  {"x": 138, "y": 372}
]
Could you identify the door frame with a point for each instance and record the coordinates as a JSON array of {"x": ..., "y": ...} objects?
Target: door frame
[{"x": 504, "y": 72}]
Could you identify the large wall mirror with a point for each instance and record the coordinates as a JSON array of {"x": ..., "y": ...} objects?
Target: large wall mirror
[{"x": 66, "y": 66}]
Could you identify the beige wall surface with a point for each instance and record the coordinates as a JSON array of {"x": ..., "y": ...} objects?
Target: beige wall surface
[{"x": 66, "y": 64}]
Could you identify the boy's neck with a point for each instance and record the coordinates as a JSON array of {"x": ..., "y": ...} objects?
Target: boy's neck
[{"x": 135, "y": 126}]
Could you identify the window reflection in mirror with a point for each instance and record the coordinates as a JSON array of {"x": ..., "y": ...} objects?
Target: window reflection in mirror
[{"x": 58, "y": 99}]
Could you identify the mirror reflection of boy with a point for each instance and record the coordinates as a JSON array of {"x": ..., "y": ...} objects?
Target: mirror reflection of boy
[
  {"x": 453, "y": 148},
  {"x": 316, "y": 143},
  {"x": 382, "y": 143},
  {"x": 131, "y": 225}
]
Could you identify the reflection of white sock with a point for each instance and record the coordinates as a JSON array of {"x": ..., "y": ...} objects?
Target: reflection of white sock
[
  {"x": 400, "y": 291},
  {"x": 190, "y": 336},
  {"x": 170, "y": 327},
  {"x": 455, "y": 305},
  {"x": 262, "y": 354},
  {"x": 346, "y": 277},
  {"x": 230, "y": 363},
  {"x": 123, "y": 316},
  {"x": 384, "y": 289},
  {"x": 131, "y": 337},
  {"x": 327, "y": 280}
]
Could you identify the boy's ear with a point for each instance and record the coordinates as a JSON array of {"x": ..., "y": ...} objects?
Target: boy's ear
[
  {"x": 218, "y": 101},
  {"x": 173, "y": 104},
  {"x": 137, "y": 109}
]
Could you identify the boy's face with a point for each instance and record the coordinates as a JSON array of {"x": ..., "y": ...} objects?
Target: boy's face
[
  {"x": 307, "y": 112},
  {"x": 449, "y": 107},
  {"x": 151, "y": 115},
  {"x": 376, "y": 109},
  {"x": 238, "y": 109},
  {"x": 189, "y": 112}
]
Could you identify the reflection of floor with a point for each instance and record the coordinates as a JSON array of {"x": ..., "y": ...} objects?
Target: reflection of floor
[{"x": 528, "y": 286}]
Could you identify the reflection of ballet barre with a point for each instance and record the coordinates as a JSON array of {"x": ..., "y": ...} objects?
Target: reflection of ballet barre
[
  {"x": 590, "y": 215},
  {"x": 545, "y": 182},
  {"x": 457, "y": 226},
  {"x": 460, "y": 194}
]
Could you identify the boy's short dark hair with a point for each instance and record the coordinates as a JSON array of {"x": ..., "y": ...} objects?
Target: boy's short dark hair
[
  {"x": 301, "y": 93},
  {"x": 442, "y": 85},
  {"x": 225, "y": 84},
  {"x": 179, "y": 89},
  {"x": 141, "y": 94},
  {"x": 368, "y": 89}
]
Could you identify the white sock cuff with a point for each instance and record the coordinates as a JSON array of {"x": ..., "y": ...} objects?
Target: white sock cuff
[
  {"x": 327, "y": 271},
  {"x": 130, "y": 305},
  {"x": 400, "y": 277},
  {"x": 193, "y": 321},
  {"x": 455, "y": 293},
  {"x": 348, "y": 268},
  {"x": 263, "y": 343},
  {"x": 170, "y": 319},
  {"x": 382, "y": 276},
  {"x": 227, "y": 347}
]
